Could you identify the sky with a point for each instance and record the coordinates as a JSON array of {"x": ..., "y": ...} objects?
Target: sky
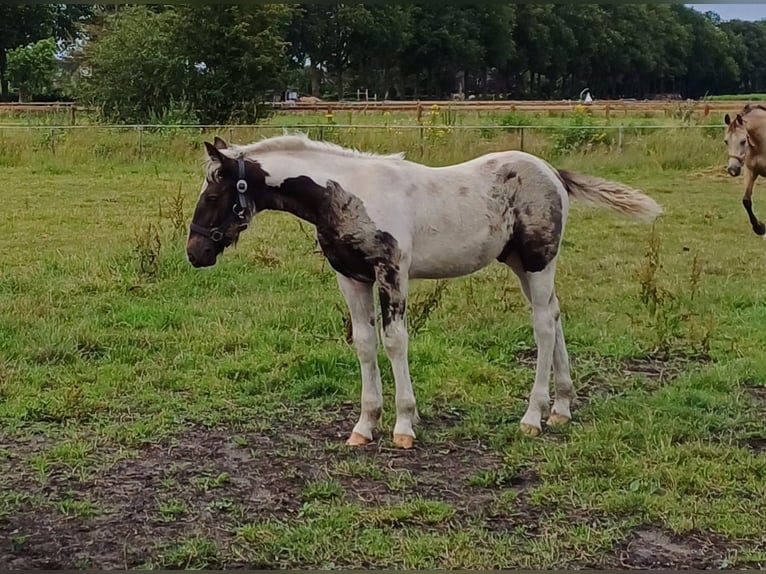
[{"x": 734, "y": 11}]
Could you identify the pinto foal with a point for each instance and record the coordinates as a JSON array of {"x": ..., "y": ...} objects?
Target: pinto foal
[{"x": 382, "y": 220}]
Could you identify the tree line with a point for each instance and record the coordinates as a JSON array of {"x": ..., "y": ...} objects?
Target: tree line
[{"x": 217, "y": 63}]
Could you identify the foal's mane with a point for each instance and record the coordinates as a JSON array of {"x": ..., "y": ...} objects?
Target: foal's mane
[
  {"x": 300, "y": 142},
  {"x": 294, "y": 142}
]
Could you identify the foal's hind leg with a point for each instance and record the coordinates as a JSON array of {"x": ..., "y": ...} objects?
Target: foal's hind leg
[
  {"x": 539, "y": 291},
  {"x": 361, "y": 305},
  {"x": 564, "y": 388}
]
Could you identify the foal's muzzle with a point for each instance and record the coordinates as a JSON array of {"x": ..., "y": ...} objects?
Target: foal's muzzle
[
  {"x": 734, "y": 167},
  {"x": 201, "y": 256}
]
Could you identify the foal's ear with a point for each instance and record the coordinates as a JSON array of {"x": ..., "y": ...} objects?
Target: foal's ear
[
  {"x": 219, "y": 143},
  {"x": 726, "y": 119},
  {"x": 213, "y": 153},
  {"x": 740, "y": 121}
]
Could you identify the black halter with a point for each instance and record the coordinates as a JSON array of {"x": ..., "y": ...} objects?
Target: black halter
[{"x": 239, "y": 208}]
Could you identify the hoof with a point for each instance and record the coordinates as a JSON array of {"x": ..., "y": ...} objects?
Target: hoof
[
  {"x": 760, "y": 229},
  {"x": 557, "y": 419},
  {"x": 529, "y": 430},
  {"x": 403, "y": 440},
  {"x": 357, "y": 440}
]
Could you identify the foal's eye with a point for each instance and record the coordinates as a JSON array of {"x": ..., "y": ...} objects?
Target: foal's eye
[
  {"x": 211, "y": 198},
  {"x": 743, "y": 142}
]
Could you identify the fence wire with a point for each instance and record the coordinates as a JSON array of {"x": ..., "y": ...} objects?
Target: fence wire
[{"x": 140, "y": 127}]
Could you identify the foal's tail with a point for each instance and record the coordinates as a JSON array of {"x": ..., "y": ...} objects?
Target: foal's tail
[{"x": 611, "y": 194}]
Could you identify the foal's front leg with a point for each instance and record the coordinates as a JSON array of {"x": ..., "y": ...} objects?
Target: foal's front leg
[
  {"x": 361, "y": 305},
  {"x": 392, "y": 285},
  {"x": 750, "y": 177}
]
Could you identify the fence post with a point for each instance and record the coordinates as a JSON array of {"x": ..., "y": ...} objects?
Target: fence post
[
  {"x": 53, "y": 142},
  {"x": 521, "y": 137},
  {"x": 140, "y": 141},
  {"x": 619, "y": 137}
]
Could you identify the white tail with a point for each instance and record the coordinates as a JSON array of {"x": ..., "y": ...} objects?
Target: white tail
[{"x": 610, "y": 194}]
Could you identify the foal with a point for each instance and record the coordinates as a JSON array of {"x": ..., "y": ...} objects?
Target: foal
[
  {"x": 381, "y": 220},
  {"x": 745, "y": 140}
]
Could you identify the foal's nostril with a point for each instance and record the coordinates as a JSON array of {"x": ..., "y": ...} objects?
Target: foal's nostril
[{"x": 192, "y": 258}]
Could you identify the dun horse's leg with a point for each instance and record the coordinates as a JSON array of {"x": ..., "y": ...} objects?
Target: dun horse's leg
[
  {"x": 361, "y": 304},
  {"x": 563, "y": 380},
  {"x": 747, "y": 201},
  {"x": 393, "y": 301}
]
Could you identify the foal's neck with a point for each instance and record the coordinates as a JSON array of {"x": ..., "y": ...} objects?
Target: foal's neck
[{"x": 300, "y": 196}]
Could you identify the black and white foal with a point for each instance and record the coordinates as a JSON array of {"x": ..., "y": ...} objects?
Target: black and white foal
[{"x": 382, "y": 220}]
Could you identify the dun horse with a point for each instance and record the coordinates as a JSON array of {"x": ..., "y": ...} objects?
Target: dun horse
[
  {"x": 745, "y": 139},
  {"x": 381, "y": 219}
]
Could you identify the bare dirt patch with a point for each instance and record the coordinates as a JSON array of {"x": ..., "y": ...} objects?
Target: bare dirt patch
[
  {"x": 206, "y": 482},
  {"x": 651, "y": 547}
]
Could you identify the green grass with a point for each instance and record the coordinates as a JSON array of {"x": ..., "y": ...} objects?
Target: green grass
[
  {"x": 112, "y": 348},
  {"x": 737, "y": 97}
]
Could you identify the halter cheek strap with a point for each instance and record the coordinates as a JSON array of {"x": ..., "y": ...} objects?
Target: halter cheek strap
[
  {"x": 241, "y": 188},
  {"x": 239, "y": 208}
]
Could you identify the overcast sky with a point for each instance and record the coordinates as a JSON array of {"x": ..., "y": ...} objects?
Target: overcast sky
[{"x": 734, "y": 11}]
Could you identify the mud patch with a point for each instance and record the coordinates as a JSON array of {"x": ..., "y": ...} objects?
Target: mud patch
[
  {"x": 204, "y": 483},
  {"x": 652, "y": 547}
]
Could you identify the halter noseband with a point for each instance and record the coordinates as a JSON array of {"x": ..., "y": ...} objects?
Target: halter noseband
[{"x": 239, "y": 208}]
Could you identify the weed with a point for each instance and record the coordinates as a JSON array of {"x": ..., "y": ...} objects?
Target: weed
[
  {"x": 421, "y": 307},
  {"x": 401, "y": 480},
  {"x": 197, "y": 553},
  {"x": 147, "y": 248},
  {"x": 77, "y": 508},
  {"x": 581, "y": 133},
  {"x": 669, "y": 310},
  {"x": 329, "y": 489},
  {"x": 174, "y": 212},
  {"x": 206, "y": 483},
  {"x": 358, "y": 469},
  {"x": 172, "y": 509}
]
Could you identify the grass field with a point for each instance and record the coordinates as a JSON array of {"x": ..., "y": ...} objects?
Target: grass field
[{"x": 157, "y": 416}]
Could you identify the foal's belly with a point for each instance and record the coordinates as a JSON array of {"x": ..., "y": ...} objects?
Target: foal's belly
[{"x": 454, "y": 257}]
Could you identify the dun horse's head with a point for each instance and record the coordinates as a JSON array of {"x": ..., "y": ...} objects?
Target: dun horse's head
[
  {"x": 225, "y": 206},
  {"x": 736, "y": 141}
]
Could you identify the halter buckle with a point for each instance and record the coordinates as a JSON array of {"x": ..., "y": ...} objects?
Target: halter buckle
[
  {"x": 216, "y": 235},
  {"x": 241, "y": 186},
  {"x": 239, "y": 211}
]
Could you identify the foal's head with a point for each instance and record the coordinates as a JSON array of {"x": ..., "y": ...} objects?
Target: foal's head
[
  {"x": 225, "y": 206},
  {"x": 736, "y": 140}
]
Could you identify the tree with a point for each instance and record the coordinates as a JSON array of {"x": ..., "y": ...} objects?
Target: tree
[
  {"x": 135, "y": 68},
  {"x": 444, "y": 43},
  {"x": 31, "y": 69},
  {"x": 235, "y": 55},
  {"x": 21, "y": 25},
  {"x": 306, "y": 42}
]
